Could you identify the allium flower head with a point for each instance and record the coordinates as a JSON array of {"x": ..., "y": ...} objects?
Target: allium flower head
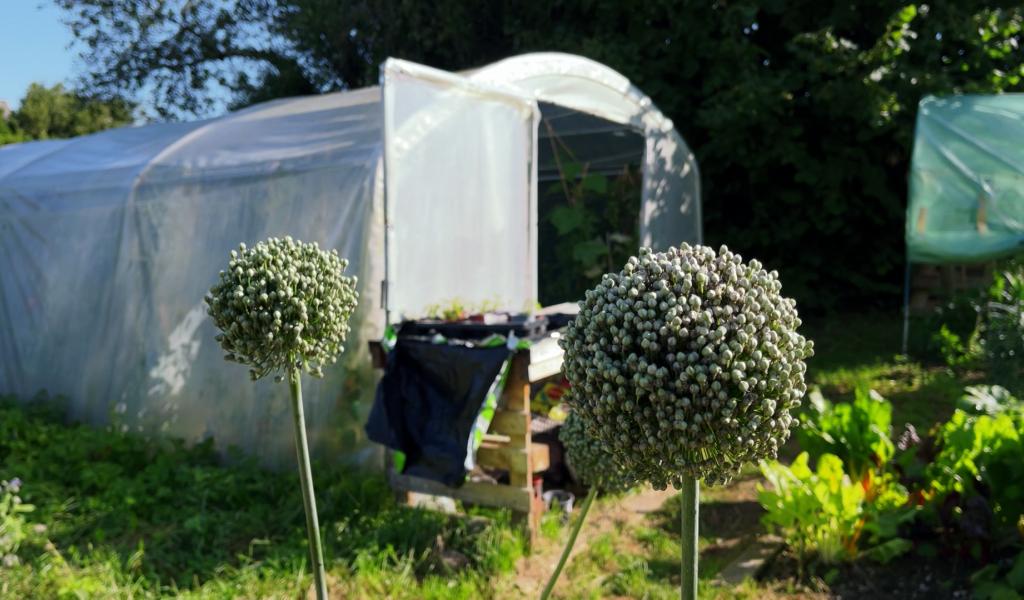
[
  {"x": 280, "y": 303},
  {"x": 687, "y": 363},
  {"x": 589, "y": 460}
]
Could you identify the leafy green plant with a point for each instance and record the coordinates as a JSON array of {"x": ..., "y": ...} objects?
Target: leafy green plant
[
  {"x": 980, "y": 458},
  {"x": 589, "y": 223},
  {"x": 988, "y": 400},
  {"x": 1003, "y": 328},
  {"x": 1000, "y": 582},
  {"x": 825, "y": 515},
  {"x": 955, "y": 352},
  {"x": 858, "y": 432},
  {"x": 457, "y": 310},
  {"x": 14, "y": 527}
]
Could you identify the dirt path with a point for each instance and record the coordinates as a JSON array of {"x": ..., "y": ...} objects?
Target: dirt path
[{"x": 533, "y": 571}]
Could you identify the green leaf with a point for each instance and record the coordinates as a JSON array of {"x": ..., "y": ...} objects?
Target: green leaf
[
  {"x": 571, "y": 170},
  {"x": 991, "y": 590},
  {"x": 987, "y": 400},
  {"x": 589, "y": 252},
  {"x": 595, "y": 183},
  {"x": 1016, "y": 575},
  {"x": 567, "y": 218},
  {"x": 889, "y": 550}
]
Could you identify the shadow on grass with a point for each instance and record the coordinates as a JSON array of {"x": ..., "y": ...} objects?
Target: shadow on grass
[{"x": 851, "y": 341}]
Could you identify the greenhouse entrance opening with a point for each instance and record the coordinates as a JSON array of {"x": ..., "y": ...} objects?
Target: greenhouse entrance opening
[{"x": 590, "y": 183}]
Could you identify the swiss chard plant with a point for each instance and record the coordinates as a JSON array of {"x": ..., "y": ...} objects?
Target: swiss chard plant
[
  {"x": 859, "y": 433},
  {"x": 980, "y": 460},
  {"x": 825, "y": 515}
]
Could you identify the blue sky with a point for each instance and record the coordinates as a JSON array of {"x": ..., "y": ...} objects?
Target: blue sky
[{"x": 33, "y": 47}]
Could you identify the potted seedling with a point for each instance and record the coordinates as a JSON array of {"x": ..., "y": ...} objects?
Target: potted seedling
[
  {"x": 684, "y": 366},
  {"x": 283, "y": 308}
]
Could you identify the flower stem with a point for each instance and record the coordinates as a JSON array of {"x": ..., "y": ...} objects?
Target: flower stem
[
  {"x": 570, "y": 543},
  {"x": 690, "y": 508},
  {"x": 316, "y": 552}
]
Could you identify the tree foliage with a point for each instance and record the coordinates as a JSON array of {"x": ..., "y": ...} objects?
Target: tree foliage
[
  {"x": 801, "y": 112},
  {"x": 54, "y": 112}
]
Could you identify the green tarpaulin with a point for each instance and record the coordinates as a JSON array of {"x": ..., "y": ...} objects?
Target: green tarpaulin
[{"x": 967, "y": 180}]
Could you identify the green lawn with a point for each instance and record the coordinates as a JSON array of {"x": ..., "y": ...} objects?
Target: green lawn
[
  {"x": 864, "y": 350},
  {"x": 126, "y": 517}
]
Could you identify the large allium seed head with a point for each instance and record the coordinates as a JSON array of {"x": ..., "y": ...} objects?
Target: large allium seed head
[
  {"x": 589, "y": 460},
  {"x": 687, "y": 363},
  {"x": 283, "y": 302}
]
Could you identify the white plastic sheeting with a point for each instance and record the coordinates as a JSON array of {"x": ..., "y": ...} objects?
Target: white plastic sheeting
[
  {"x": 108, "y": 242},
  {"x": 461, "y": 181}
]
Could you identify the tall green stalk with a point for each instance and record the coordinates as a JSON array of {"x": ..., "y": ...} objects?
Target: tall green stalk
[
  {"x": 569, "y": 544},
  {"x": 690, "y": 509},
  {"x": 316, "y": 552}
]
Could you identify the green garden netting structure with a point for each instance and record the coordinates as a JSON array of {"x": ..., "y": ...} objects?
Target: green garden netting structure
[{"x": 966, "y": 197}]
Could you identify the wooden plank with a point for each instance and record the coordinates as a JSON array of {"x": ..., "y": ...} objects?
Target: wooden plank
[
  {"x": 510, "y": 423},
  {"x": 513, "y": 460},
  {"x": 474, "y": 492},
  {"x": 540, "y": 457},
  {"x": 499, "y": 456},
  {"x": 516, "y": 395}
]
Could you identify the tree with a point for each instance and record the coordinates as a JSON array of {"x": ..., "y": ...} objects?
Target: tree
[
  {"x": 53, "y": 112},
  {"x": 801, "y": 112}
]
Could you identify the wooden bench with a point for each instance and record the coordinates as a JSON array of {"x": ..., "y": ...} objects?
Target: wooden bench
[{"x": 508, "y": 446}]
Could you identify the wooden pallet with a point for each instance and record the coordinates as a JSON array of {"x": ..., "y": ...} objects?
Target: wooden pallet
[
  {"x": 933, "y": 285},
  {"x": 508, "y": 446}
]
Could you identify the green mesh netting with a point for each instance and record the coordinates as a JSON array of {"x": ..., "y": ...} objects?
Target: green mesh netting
[{"x": 967, "y": 179}]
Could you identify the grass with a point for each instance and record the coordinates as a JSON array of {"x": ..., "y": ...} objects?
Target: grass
[
  {"x": 127, "y": 517},
  {"x": 863, "y": 350}
]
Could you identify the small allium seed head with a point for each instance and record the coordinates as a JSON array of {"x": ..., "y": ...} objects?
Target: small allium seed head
[
  {"x": 283, "y": 302},
  {"x": 590, "y": 460}
]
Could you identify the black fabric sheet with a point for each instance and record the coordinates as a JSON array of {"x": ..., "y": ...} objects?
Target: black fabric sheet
[{"x": 427, "y": 402}]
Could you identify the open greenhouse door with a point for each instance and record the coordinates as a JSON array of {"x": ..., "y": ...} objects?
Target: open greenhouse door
[{"x": 460, "y": 193}]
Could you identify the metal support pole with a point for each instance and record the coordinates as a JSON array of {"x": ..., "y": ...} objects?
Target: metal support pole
[{"x": 906, "y": 308}]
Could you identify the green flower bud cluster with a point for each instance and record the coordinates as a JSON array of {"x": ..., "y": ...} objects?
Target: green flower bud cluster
[
  {"x": 588, "y": 459},
  {"x": 283, "y": 303},
  {"x": 687, "y": 363}
]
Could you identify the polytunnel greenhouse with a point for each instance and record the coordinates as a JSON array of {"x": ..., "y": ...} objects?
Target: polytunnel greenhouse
[{"x": 428, "y": 184}]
